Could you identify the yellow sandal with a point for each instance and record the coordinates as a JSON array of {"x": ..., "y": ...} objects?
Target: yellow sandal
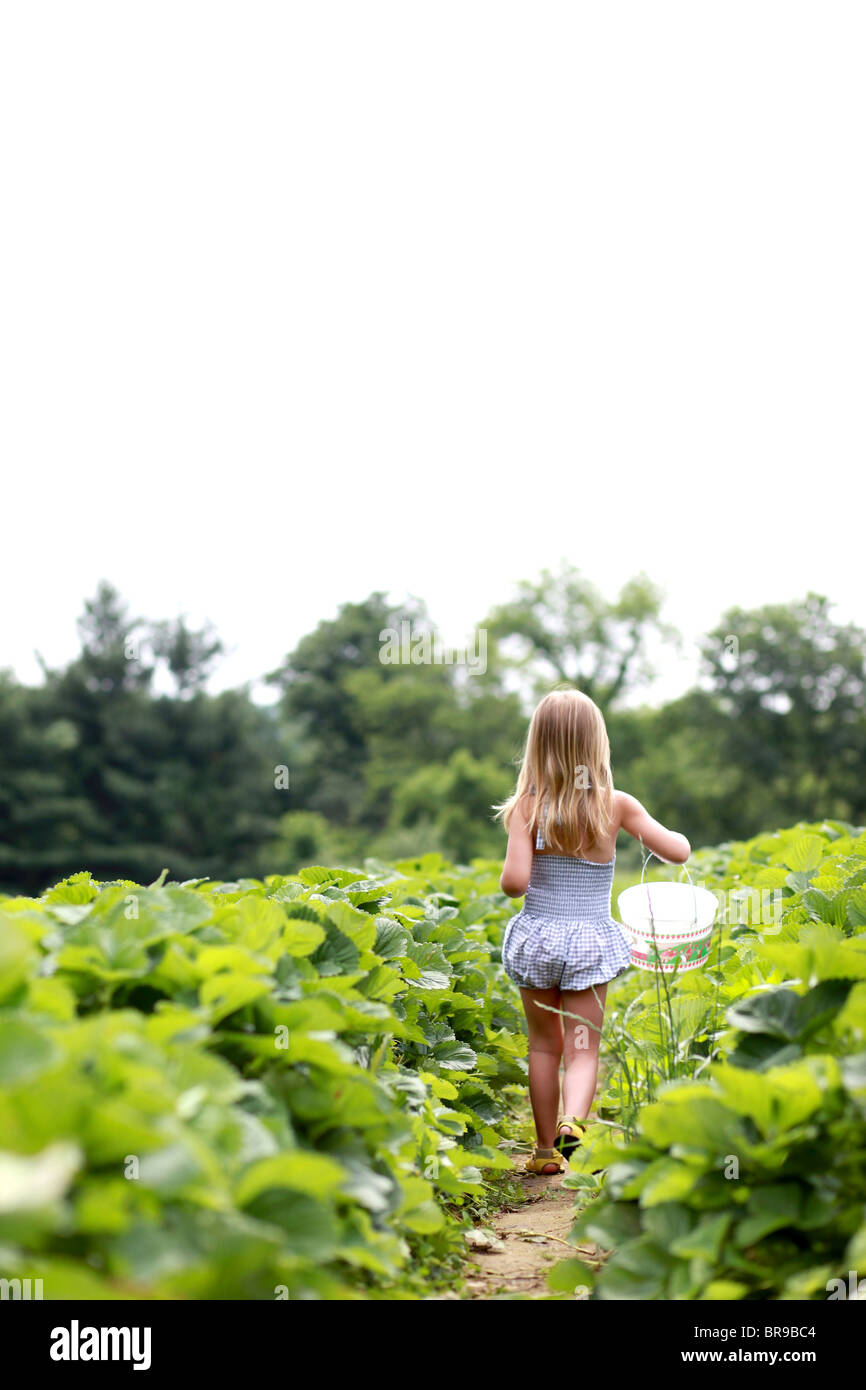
[
  {"x": 542, "y": 1158},
  {"x": 567, "y": 1143}
]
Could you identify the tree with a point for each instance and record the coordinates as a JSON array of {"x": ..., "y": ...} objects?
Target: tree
[
  {"x": 111, "y": 659},
  {"x": 560, "y": 629},
  {"x": 792, "y": 685},
  {"x": 317, "y": 699},
  {"x": 99, "y": 773},
  {"x": 189, "y": 653},
  {"x": 672, "y": 759},
  {"x": 457, "y": 800},
  {"x": 788, "y": 658}
]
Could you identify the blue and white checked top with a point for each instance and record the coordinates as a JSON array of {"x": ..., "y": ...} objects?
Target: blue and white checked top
[{"x": 564, "y": 936}]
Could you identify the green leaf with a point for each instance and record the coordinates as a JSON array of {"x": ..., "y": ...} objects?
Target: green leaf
[
  {"x": 337, "y": 955},
  {"x": 317, "y": 874},
  {"x": 638, "y": 1270},
  {"x": 314, "y": 1174},
  {"x": 17, "y": 957},
  {"x": 774, "y": 1012},
  {"x": 769, "y": 1209},
  {"x": 692, "y": 1116},
  {"x": 777, "y": 1099},
  {"x": 169, "y": 1171},
  {"x": 568, "y": 1276},
  {"x": 668, "y": 1181},
  {"x": 432, "y": 968},
  {"x": 358, "y": 926},
  {"x": 224, "y": 994},
  {"x": 455, "y": 1056},
  {"x": 704, "y": 1240},
  {"x": 721, "y": 1290},
  {"x": 419, "y": 1211},
  {"x": 24, "y": 1052},
  {"x": 392, "y": 940},
  {"x": 805, "y": 853}
]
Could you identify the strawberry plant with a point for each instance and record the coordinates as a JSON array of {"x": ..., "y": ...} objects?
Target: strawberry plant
[
  {"x": 259, "y": 1089},
  {"x": 741, "y": 1176}
]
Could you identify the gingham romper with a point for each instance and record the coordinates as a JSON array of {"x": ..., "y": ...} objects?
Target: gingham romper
[{"x": 564, "y": 935}]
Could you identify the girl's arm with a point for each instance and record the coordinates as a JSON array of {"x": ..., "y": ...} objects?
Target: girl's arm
[
  {"x": 514, "y": 879},
  {"x": 636, "y": 819}
]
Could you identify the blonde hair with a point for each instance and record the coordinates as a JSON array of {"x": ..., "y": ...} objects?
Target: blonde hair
[{"x": 566, "y": 766}]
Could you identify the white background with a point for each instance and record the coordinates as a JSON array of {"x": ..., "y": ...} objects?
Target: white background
[{"x": 304, "y": 300}]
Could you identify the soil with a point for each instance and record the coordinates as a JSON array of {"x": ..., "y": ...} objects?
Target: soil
[{"x": 533, "y": 1237}]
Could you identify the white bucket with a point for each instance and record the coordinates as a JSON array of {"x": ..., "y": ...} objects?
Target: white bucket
[{"x": 668, "y": 925}]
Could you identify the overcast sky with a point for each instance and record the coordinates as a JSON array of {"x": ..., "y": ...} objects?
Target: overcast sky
[{"x": 305, "y": 300}]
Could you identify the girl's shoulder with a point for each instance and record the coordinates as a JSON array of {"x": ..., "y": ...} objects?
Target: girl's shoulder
[
  {"x": 626, "y": 807},
  {"x": 526, "y": 804},
  {"x": 619, "y": 803}
]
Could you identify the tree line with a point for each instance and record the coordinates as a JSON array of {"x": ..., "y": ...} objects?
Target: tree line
[{"x": 363, "y": 756}]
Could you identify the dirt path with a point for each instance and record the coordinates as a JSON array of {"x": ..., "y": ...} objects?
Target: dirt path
[{"x": 528, "y": 1239}]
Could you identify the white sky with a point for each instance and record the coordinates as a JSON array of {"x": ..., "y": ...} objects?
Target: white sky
[{"x": 303, "y": 300}]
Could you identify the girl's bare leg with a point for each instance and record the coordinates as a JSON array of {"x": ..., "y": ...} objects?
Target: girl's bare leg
[
  {"x": 580, "y": 1048},
  {"x": 545, "y": 1054}
]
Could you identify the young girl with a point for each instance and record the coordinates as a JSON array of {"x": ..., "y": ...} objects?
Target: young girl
[{"x": 562, "y": 824}]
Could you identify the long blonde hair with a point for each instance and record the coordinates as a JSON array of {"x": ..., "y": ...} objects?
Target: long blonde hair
[{"x": 566, "y": 766}]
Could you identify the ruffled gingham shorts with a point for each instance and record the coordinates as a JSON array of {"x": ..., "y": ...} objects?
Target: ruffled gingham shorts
[{"x": 564, "y": 936}]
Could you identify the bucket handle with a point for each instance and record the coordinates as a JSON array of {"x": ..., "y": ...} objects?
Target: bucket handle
[{"x": 652, "y": 855}]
